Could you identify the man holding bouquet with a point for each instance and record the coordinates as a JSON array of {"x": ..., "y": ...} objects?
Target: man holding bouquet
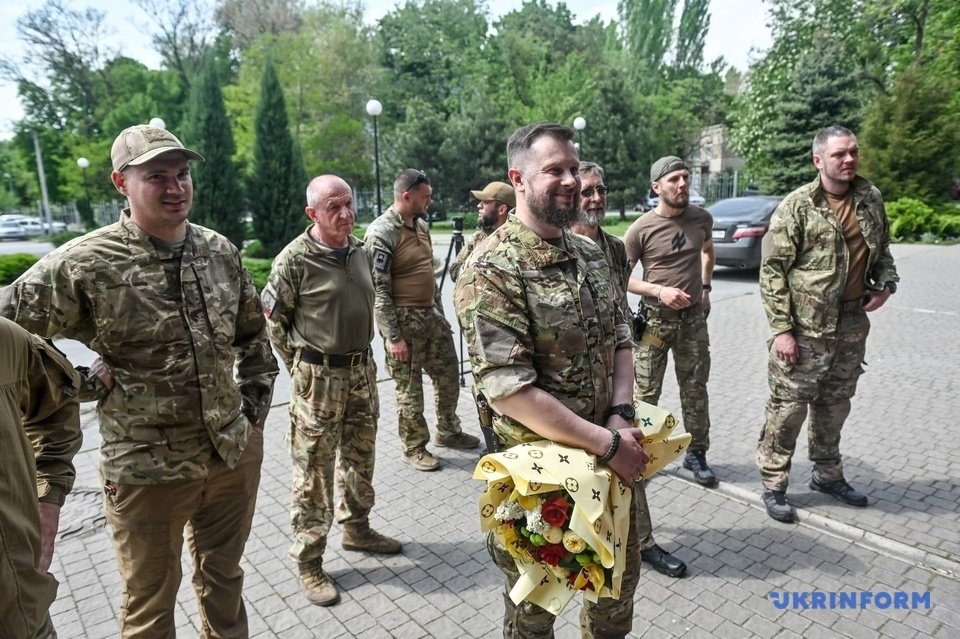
[{"x": 551, "y": 349}]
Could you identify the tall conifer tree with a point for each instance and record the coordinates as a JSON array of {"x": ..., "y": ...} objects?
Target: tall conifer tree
[{"x": 217, "y": 188}]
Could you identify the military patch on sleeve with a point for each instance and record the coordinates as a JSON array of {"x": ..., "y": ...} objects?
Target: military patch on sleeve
[
  {"x": 269, "y": 300},
  {"x": 381, "y": 260}
]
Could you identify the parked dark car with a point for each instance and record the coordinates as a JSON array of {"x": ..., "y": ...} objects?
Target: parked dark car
[{"x": 739, "y": 224}]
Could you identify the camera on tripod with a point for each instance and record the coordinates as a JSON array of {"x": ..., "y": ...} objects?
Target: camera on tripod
[{"x": 458, "y": 225}]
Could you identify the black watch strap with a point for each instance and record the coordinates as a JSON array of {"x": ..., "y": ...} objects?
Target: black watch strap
[{"x": 623, "y": 410}]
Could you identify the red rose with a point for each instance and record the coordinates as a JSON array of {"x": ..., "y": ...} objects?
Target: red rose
[
  {"x": 554, "y": 511},
  {"x": 553, "y": 554}
]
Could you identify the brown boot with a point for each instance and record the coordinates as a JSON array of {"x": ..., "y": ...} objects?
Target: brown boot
[
  {"x": 317, "y": 586},
  {"x": 362, "y": 537}
]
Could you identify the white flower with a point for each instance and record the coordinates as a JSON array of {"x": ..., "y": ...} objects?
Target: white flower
[
  {"x": 573, "y": 542},
  {"x": 553, "y": 535},
  {"x": 535, "y": 522},
  {"x": 508, "y": 511}
]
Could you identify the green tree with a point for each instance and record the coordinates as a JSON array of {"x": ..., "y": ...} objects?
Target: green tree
[
  {"x": 277, "y": 181},
  {"x": 818, "y": 95},
  {"x": 694, "y": 25},
  {"x": 910, "y": 138},
  {"x": 216, "y": 182}
]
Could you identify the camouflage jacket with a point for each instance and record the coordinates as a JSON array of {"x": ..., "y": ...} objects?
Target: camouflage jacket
[
  {"x": 39, "y": 435},
  {"x": 805, "y": 261},
  {"x": 172, "y": 351},
  {"x": 616, "y": 254},
  {"x": 534, "y": 314},
  {"x": 380, "y": 239},
  {"x": 312, "y": 300},
  {"x": 457, "y": 264}
]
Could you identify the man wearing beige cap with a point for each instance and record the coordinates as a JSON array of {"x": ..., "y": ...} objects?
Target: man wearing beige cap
[
  {"x": 171, "y": 313},
  {"x": 494, "y": 202},
  {"x": 674, "y": 243}
]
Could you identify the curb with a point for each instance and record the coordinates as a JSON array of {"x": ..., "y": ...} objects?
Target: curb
[{"x": 863, "y": 538}]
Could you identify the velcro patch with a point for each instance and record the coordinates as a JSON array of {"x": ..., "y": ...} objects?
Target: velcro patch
[
  {"x": 381, "y": 260},
  {"x": 269, "y": 299}
]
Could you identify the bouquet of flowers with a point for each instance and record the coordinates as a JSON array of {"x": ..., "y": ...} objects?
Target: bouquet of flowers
[{"x": 563, "y": 518}]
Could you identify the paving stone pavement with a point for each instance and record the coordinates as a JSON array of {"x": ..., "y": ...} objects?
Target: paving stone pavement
[{"x": 900, "y": 444}]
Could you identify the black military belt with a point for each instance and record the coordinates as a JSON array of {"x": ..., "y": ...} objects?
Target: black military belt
[
  {"x": 664, "y": 312},
  {"x": 334, "y": 361}
]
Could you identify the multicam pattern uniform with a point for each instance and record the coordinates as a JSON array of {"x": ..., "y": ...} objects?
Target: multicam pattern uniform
[
  {"x": 688, "y": 338},
  {"x": 802, "y": 276},
  {"x": 168, "y": 415},
  {"x": 616, "y": 255},
  {"x": 332, "y": 409},
  {"x": 457, "y": 264},
  {"x": 535, "y": 314},
  {"x": 38, "y": 412},
  {"x": 429, "y": 338}
]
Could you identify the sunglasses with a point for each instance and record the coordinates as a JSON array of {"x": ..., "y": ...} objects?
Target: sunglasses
[
  {"x": 421, "y": 178},
  {"x": 600, "y": 190}
]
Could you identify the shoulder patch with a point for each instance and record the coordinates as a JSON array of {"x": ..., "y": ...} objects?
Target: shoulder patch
[
  {"x": 381, "y": 260},
  {"x": 269, "y": 299}
]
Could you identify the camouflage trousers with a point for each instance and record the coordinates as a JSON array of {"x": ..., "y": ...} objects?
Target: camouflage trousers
[
  {"x": 332, "y": 439},
  {"x": 689, "y": 341},
  {"x": 644, "y": 523},
  {"x": 823, "y": 380},
  {"x": 607, "y": 618},
  {"x": 430, "y": 341}
]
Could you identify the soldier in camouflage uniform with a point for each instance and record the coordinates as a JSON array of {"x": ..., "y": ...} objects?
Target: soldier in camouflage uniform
[
  {"x": 39, "y": 435},
  {"x": 410, "y": 317},
  {"x": 593, "y": 208},
  {"x": 494, "y": 202},
  {"x": 171, "y": 312},
  {"x": 674, "y": 243},
  {"x": 826, "y": 264},
  {"x": 319, "y": 307},
  {"x": 551, "y": 348}
]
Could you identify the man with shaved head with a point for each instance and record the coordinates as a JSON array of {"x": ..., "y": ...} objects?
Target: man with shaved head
[{"x": 319, "y": 308}]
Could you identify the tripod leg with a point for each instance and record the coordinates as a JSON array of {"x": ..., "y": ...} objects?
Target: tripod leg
[{"x": 446, "y": 263}]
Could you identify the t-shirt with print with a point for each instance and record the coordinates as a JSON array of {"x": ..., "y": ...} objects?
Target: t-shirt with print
[{"x": 669, "y": 248}]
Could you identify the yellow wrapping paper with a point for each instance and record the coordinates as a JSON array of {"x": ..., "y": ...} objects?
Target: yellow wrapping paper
[{"x": 601, "y": 503}]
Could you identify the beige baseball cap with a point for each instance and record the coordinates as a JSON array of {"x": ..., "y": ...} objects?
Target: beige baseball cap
[
  {"x": 499, "y": 191},
  {"x": 141, "y": 143}
]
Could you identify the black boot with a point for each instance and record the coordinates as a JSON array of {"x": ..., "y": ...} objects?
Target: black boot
[
  {"x": 696, "y": 461},
  {"x": 663, "y": 562},
  {"x": 778, "y": 507},
  {"x": 841, "y": 490}
]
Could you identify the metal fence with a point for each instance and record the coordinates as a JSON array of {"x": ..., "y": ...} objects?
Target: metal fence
[{"x": 718, "y": 186}]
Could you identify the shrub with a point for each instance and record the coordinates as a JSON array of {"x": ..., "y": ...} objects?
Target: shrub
[
  {"x": 910, "y": 218},
  {"x": 254, "y": 248},
  {"x": 260, "y": 270},
  {"x": 12, "y": 266}
]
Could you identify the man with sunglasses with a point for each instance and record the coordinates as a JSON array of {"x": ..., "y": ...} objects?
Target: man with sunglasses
[
  {"x": 593, "y": 208},
  {"x": 674, "y": 242},
  {"x": 409, "y": 315}
]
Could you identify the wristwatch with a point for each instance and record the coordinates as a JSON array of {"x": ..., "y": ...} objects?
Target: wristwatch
[
  {"x": 892, "y": 286},
  {"x": 623, "y": 410}
]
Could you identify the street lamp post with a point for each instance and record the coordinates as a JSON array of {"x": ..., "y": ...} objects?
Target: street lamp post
[
  {"x": 579, "y": 124},
  {"x": 374, "y": 109},
  {"x": 84, "y": 164}
]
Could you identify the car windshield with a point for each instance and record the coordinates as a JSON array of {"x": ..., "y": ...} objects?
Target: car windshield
[{"x": 743, "y": 207}]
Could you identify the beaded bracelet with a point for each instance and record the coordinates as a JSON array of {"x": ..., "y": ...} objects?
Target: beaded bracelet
[{"x": 614, "y": 445}]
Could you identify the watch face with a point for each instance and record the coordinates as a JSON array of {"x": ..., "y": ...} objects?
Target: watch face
[{"x": 624, "y": 410}]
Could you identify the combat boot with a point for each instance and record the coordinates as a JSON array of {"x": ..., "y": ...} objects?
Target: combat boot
[
  {"x": 841, "y": 490},
  {"x": 696, "y": 461},
  {"x": 775, "y": 501},
  {"x": 362, "y": 537},
  {"x": 317, "y": 586},
  {"x": 460, "y": 441}
]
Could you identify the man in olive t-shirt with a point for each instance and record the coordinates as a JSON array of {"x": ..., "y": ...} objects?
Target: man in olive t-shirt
[{"x": 674, "y": 244}]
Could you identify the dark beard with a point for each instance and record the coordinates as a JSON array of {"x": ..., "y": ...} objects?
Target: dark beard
[
  {"x": 558, "y": 218},
  {"x": 487, "y": 221},
  {"x": 680, "y": 203}
]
